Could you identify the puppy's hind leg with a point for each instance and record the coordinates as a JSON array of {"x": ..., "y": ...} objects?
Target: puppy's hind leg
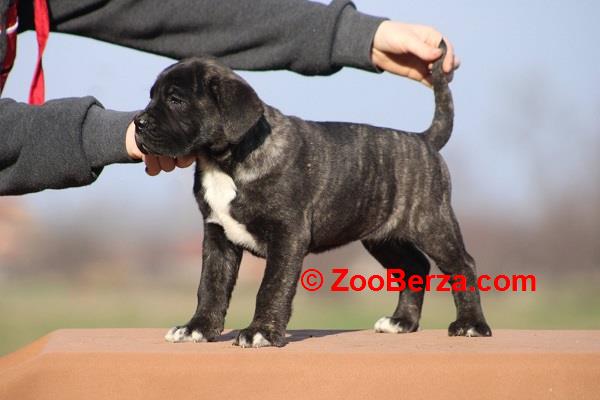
[
  {"x": 404, "y": 255},
  {"x": 441, "y": 240}
]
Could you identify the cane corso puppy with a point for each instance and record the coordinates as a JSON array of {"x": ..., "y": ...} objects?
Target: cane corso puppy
[{"x": 281, "y": 187}]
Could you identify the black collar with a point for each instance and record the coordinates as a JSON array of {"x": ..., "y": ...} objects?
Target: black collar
[
  {"x": 251, "y": 140},
  {"x": 236, "y": 153}
]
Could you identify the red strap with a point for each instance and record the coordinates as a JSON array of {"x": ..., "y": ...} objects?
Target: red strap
[
  {"x": 11, "y": 42},
  {"x": 42, "y": 29}
]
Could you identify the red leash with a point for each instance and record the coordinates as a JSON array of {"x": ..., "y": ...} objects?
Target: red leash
[{"x": 42, "y": 29}]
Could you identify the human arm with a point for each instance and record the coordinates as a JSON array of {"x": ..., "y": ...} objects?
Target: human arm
[
  {"x": 302, "y": 36},
  {"x": 64, "y": 143}
]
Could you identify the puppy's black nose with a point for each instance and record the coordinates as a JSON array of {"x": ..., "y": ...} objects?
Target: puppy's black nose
[{"x": 140, "y": 123}]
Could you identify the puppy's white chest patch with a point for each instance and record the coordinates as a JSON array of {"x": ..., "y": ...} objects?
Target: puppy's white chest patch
[{"x": 219, "y": 192}]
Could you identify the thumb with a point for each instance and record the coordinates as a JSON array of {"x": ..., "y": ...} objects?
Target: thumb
[{"x": 422, "y": 50}]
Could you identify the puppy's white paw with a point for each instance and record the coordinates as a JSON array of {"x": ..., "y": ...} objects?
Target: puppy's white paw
[
  {"x": 385, "y": 325},
  {"x": 180, "y": 334},
  {"x": 471, "y": 332},
  {"x": 258, "y": 340}
]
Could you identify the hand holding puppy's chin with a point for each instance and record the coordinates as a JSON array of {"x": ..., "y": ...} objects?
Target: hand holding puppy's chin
[{"x": 154, "y": 163}]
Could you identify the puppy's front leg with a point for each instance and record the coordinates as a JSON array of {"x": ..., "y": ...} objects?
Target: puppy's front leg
[
  {"x": 275, "y": 296},
  {"x": 220, "y": 265}
]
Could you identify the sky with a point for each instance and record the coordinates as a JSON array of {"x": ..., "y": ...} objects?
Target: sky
[{"x": 515, "y": 56}]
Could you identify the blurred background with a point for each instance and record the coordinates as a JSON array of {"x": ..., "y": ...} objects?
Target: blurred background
[{"x": 126, "y": 251}]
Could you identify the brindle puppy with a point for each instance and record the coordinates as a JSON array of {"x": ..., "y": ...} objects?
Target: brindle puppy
[{"x": 281, "y": 188}]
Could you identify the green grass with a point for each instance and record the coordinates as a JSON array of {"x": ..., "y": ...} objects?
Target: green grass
[{"x": 29, "y": 310}]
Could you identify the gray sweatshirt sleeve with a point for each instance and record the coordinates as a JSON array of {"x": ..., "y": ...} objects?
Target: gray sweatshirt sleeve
[
  {"x": 64, "y": 143},
  {"x": 303, "y": 36}
]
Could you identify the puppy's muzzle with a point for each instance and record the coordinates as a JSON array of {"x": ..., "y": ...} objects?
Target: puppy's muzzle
[{"x": 141, "y": 124}]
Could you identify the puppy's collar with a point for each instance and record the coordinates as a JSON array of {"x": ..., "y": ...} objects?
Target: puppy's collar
[
  {"x": 249, "y": 141},
  {"x": 252, "y": 139}
]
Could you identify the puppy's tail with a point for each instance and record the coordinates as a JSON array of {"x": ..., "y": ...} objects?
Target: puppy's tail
[{"x": 439, "y": 132}]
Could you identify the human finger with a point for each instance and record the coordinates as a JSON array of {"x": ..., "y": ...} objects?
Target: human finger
[
  {"x": 152, "y": 164},
  {"x": 449, "y": 60},
  {"x": 167, "y": 164},
  {"x": 422, "y": 50},
  {"x": 184, "y": 162}
]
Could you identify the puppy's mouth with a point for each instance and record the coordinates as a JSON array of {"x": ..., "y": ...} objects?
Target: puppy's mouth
[
  {"x": 140, "y": 145},
  {"x": 153, "y": 149}
]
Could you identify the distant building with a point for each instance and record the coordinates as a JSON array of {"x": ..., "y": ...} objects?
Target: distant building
[{"x": 16, "y": 224}]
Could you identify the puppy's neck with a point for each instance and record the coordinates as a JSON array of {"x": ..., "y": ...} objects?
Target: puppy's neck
[
  {"x": 251, "y": 140},
  {"x": 261, "y": 151},
  {"x": 236, "y": 153}
]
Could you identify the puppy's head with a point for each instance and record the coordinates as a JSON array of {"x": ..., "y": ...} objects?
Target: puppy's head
[{"x": 196, "y": 105}]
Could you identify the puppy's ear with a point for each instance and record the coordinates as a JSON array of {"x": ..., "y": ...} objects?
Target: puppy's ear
[{"x": 238, "y": 104}]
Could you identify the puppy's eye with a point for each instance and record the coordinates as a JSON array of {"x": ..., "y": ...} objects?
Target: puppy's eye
[{"x": 174, "y": 100}]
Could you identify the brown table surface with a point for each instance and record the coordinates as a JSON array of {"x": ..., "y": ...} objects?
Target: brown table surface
[{"x": 138, "y": 363}]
